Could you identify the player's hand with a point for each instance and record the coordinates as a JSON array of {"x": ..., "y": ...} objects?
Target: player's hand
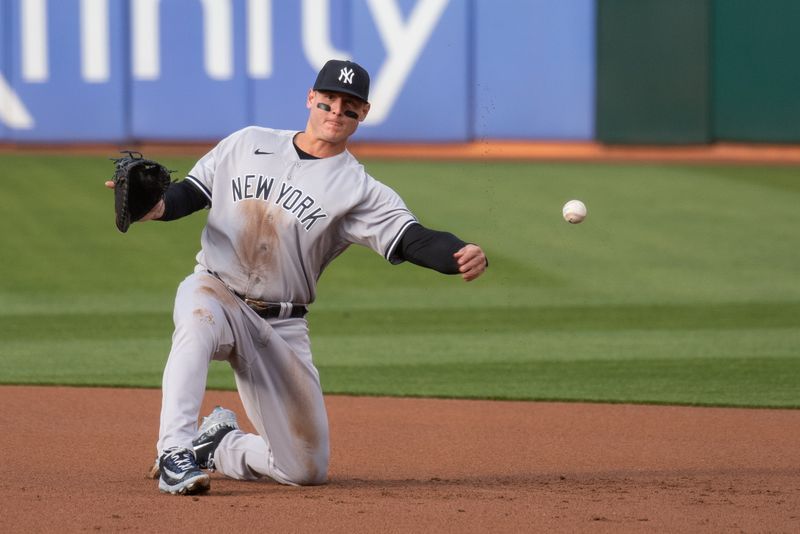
[
  {"x": 471, "y": 262},
  {"x": 156, "y": 213}
]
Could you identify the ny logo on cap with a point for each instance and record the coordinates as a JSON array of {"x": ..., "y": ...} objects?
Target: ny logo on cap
[{"x": 346, "y": 75}]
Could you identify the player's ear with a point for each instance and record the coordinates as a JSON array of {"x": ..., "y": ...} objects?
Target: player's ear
[
  {"x": 309, "y": 98},
  {"x": 364, "y": 111}
]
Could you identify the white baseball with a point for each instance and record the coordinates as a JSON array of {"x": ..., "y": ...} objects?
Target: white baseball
[{"x": 574, "y": 211}]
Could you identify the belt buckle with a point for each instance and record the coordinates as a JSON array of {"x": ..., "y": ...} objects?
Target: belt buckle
[{"x": 257, "y": 305}]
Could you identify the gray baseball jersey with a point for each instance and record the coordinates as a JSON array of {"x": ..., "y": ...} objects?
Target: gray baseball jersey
[{"x": 277, "y": 220}]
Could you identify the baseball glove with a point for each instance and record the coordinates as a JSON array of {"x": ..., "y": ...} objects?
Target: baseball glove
[{"x": 138, "y": 186}]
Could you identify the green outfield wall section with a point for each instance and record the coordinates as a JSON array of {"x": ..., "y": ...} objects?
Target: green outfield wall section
[
  {"x": 653, "y": 71},
  {"x": 756, "y": 91}
]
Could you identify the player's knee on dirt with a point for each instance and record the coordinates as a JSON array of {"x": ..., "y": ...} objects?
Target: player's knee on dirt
[
  {"x": 312, "y": 474},
  {"x": 308, "y": 467}
]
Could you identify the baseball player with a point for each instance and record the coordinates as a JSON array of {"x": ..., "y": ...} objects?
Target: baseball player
[{"x": 282, "y": 206}]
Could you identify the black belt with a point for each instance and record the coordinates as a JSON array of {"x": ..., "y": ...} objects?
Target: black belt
[{"x": 271, "y": 310}]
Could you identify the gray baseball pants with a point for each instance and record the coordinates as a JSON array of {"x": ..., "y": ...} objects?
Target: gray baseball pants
[{"x": 276, "y": 378}]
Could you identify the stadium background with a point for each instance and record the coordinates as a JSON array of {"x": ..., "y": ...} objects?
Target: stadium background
[
  {"x": 679, "y": 292},
  {"x": 614, "y": 71}
]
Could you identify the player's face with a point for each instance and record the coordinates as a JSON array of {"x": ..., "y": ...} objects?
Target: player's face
[{"x": 334, "y": 117}]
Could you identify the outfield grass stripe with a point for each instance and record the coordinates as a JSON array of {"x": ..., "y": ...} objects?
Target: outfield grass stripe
[
  {"x": 412, "y": 322},
  {"x": 116, "y": 355},
  {"x": 573, "y": 318},
  {"x": 757, "y": 382},
  {"x": 630, "y": 345},
  {"x": 85, "y": 326}
]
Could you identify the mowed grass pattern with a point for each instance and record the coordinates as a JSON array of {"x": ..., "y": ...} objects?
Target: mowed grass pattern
[{"x": 680, "y": 287}]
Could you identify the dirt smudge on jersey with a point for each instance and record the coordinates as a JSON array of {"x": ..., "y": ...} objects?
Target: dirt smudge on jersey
[{"x": 258, "y": 242}]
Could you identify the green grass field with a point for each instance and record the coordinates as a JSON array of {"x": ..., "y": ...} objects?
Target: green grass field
[{"x": 681, "y": 287}]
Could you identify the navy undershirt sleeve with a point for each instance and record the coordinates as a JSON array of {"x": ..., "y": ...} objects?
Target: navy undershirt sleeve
[
  {"x": 181, "y": 199},
  {"x": 429, "y": 248}
]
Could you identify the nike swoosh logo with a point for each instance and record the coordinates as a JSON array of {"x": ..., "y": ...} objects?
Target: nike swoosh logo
[{"x": 258, "y": 152}]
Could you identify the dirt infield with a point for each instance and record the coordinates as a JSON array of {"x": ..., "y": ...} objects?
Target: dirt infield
[{"x": 74, "y": 460}]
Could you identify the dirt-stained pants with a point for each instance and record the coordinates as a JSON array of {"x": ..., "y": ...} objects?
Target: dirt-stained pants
[{"x": 276, "y": 378}]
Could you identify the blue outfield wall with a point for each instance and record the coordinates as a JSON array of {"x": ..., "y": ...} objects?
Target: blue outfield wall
[
  {"x": 72, "y": 91},
  {"x": 534, "y": 67},
  {"x": 196, "y": 70},
  {"x": 181, "y": 91},
  {"x": 4, "y": 86}
]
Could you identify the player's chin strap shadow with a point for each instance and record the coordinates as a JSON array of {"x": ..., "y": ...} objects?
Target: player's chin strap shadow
[{"x": 347, "y": 113}]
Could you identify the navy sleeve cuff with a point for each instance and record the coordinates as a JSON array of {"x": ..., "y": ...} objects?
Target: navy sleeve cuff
[{"x": 182, "y": 199}]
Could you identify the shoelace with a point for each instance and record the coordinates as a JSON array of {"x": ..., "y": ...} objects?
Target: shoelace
[{"x": 182, "y": 458}]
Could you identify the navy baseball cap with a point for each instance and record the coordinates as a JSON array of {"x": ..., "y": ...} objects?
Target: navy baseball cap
[{"x": 342, "y": 76}]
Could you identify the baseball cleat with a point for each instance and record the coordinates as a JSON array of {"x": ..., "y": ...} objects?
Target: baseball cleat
[
  {"x": 214, "y": 427},
  {"x": 180, "y": 474}
]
